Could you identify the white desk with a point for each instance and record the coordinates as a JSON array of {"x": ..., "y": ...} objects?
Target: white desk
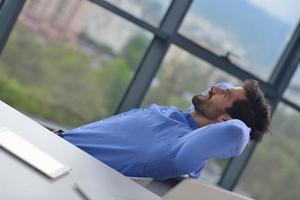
[{"x": 20, "y": 181}]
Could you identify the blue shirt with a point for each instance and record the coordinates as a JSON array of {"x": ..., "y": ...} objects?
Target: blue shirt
[{"x": 159, "y": 142}]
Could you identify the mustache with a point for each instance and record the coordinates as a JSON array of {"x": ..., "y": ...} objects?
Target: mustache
[
  {"x": 200, "y": 98},
  {"x": 207, "y": 95}
]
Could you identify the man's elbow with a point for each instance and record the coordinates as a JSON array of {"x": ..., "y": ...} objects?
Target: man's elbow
[
  {"x": 239, "y": 135},
  {"x": 184, "y": 166}
]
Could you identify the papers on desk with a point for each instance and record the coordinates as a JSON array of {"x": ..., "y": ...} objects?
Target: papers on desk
[{"x": 30, "y": 154}]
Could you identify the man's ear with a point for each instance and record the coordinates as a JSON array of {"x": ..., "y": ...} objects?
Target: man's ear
[{"x": 224, "y": 117}]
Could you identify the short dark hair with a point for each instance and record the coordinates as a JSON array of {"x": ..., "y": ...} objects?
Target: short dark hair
[{"x": 255, "y": 112}]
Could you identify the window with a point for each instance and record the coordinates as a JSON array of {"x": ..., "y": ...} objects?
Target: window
[
  {"x": 181, "y": 76},
  {"x": 292, "y": 93},
  {"x": 253, "y": 32},
  {"x": 273, "y": 171},
  {"x": 73, "y": 71},
  {"x": 151, "y": 11}
]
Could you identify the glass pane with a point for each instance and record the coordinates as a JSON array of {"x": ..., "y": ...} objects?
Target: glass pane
[
  {"x": 254, "y": 32},
  {"x": 62, "y": 62},
  {"x": 181, "y": 76},
  {"x": 292, "y": 92},
  {"x": 273, "y": 171},
  {"x": 151, "y": 11}
]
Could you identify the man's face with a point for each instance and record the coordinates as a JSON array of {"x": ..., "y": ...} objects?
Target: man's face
[{"x": 214, "y": 104}]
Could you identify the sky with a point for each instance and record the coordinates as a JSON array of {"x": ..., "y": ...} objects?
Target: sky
[{"x": 286, "y": 10}]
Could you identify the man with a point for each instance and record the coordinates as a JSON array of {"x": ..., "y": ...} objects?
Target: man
[{"x": 163, "y": 141}]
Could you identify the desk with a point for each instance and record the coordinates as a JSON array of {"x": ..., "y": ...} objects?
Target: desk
[{"x": 20, "y": 181}]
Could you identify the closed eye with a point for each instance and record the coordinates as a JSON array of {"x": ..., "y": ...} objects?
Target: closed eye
[{"x": 226, "y": 93}]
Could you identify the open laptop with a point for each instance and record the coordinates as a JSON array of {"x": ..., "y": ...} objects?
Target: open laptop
[{"x": 194, "y": 190}]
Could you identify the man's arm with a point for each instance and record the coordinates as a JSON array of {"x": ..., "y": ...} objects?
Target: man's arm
[{"x": 222, "y": 140}]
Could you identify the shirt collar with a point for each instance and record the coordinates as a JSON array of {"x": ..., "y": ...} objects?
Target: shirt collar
[{"x": 192, "y": 123}]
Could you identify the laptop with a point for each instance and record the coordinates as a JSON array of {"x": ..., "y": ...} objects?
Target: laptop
[{"x": 194, "y": 190}]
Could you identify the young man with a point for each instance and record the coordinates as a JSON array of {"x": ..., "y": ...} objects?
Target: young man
[{"x": 163, "y": 141}]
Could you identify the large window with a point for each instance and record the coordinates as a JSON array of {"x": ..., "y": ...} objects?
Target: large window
[
  {"x": 273, "y": 172},
  {"x": 181, "y": 76},
  {"x": 254, "y": 33},
  {"x": 69, "y": 65}
]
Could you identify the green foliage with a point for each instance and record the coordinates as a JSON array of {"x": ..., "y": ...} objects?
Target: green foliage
[
  {"x": 114, "y": 78},
  {"x": 19, "y": 97},
  {"x": 54, "y": 74},
  {"x": 68, "y": 85},
  {"x": 134, "y": 51}
]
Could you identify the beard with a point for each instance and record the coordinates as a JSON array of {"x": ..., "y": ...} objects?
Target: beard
[{"x": 206, "y": 108}]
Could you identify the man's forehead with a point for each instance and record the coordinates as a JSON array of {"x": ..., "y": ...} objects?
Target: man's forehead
[{"x": 238, "y": 93}]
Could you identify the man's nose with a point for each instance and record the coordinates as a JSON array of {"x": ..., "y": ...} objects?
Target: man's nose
[{"x": 217, "y": 90}]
